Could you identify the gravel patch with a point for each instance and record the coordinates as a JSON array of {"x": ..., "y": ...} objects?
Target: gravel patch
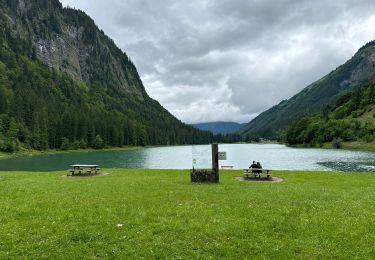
[
  {"x": 271, "y": 180},
  {"x": 86, "y": 176}
]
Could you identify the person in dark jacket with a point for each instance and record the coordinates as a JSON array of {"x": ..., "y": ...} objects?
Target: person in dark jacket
[
  {"x": 253, "y": 166},
  {"x": 259, "y": 166}
]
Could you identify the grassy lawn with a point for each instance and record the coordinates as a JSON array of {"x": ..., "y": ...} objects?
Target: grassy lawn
[{"x": 311, "y": 215}]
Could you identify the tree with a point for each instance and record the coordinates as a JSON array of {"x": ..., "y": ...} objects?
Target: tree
[
  {"x": 98, "y": 142},
  {"x": 65, "y": 144},
  {"x": 337, "y": 143}
]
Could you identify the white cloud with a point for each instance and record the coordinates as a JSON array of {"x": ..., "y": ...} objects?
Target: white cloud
[{"x": 207, "y": 60}]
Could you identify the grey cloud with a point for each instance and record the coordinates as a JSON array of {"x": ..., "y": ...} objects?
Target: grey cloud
[{"x": 207, "y": 60}]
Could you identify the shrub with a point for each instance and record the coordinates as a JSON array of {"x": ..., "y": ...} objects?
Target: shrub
[
  {"x": 11, "y": 145},
  {"x": 369, "y": 138},
  {"x": 65, "y": 144},
  {"x": 75, "y": 145},
  {"x": 337, "y": 143},
  {"x": 82, "y": 144},
  {"x": 98, "y": 142}
]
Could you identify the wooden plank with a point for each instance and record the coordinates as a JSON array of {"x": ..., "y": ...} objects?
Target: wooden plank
[
  {"x": 257, "y": 173},
  {"x": 84, "y": 165}
]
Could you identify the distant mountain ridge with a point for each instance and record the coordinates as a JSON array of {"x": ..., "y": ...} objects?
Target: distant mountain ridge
[
  {"x": 359, "y": 70},
  {"x": 219, "y": 127}
]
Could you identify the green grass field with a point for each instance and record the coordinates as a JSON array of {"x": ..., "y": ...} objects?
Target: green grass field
[{"x": 311, "y": 215}]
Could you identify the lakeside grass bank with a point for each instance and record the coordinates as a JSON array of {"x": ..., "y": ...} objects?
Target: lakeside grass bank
[
  {"x": 30, "y": 152},
  {"x": 310, "y": 215},
  {"x": 354, "y": 146},
  {"x": 357, "y": 146}
]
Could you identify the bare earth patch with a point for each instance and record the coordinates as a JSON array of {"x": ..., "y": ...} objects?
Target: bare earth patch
[
  {"x": 271, "y": 180},
  {"x": 85, "y": 176}
]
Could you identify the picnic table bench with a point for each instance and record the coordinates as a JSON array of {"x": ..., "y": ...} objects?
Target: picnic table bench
[
  {"x": 84, "y": 169},
  {"x": 257, "y": 173}
]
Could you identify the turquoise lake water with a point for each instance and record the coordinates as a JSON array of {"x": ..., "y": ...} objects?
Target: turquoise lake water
[{"x": 240, "y": 156}]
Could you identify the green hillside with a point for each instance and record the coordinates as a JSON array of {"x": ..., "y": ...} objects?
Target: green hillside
[
  {"x": 360, "y": 69},
  {"x": 64, "y": 84},
  {"x": 349, "y": 118}
]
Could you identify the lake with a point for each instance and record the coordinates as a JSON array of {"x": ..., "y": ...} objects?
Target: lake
[{"x": 240, "y": 156}]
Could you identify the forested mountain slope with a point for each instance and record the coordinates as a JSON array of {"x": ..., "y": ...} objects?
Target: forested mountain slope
[
  {"x": 64, "y": 84},
  {"x": 360, "y": 69},
  {"x": 350, "y": 118}
]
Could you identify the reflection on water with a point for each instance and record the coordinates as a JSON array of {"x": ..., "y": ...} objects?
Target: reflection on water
[{"x": 240, "y": 156}]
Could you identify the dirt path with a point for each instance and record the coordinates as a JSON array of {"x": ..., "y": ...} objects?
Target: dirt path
[
  {"x": 86, "y": 176},
  {"x": 272, "y": 180}
]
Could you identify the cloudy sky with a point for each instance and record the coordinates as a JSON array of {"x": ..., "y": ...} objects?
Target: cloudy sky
[{"x": 229, "y": 60}]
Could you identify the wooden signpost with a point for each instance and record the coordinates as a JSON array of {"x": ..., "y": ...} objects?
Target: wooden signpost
[{"x": 208, "y": 175}]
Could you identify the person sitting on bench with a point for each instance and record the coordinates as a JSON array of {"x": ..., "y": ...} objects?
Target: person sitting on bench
[
  {"x": 259, "y": 166},
  {"x": 253, "y": 166}
]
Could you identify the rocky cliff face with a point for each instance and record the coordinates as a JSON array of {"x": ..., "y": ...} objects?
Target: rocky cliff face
[
  {"x": 360, "y": 69},
  {"x": 69, "y": 41},
  {"x": 64, "y": 53}
]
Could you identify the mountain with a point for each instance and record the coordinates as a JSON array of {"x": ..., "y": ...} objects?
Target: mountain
[
  {"x": 360, "y": 69},
  {"x": 65, "y": 84},
  {"x": 219, "y": 127},
  {"x": 349, "y": 118}
]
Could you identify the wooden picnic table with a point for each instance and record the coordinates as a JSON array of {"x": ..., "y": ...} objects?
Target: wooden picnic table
[
  {"x": 257, "y": 173},
  {"x": 84, "y": 169}
]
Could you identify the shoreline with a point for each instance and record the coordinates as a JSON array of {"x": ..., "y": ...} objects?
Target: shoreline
[
  {"x": 5, "y": 156},
  {"x": 31, "y": 152},
  {"x": 350, "y": 146}
]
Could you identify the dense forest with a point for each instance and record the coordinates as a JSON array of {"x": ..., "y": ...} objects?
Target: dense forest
[
  {"x": 46, "y": 103},
  {"x": 350, "y": 118}
]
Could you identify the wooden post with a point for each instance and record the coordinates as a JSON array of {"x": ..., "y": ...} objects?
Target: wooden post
[
  {"x": 208, "y": 175},
  {"x": 215, "y": 161}
]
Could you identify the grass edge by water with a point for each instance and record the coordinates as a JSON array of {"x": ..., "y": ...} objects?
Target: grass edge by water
[{"x": 31, "y": 152}]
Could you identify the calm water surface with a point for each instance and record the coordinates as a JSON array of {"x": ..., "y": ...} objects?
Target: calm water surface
[{"x": 273, "y": 156}]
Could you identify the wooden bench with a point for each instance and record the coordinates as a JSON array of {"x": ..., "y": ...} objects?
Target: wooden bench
[
  {"x": 257, "y": 173},
  {"x": 84, "y": 169}
]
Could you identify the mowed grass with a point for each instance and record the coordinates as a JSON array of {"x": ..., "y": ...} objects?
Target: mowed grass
[{"x": 311, "y": 215}]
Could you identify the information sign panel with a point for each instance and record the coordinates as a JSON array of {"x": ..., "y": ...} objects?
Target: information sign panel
[
  {"x": 222, "y": 156},
  {"x": 202, "y": 156}
]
